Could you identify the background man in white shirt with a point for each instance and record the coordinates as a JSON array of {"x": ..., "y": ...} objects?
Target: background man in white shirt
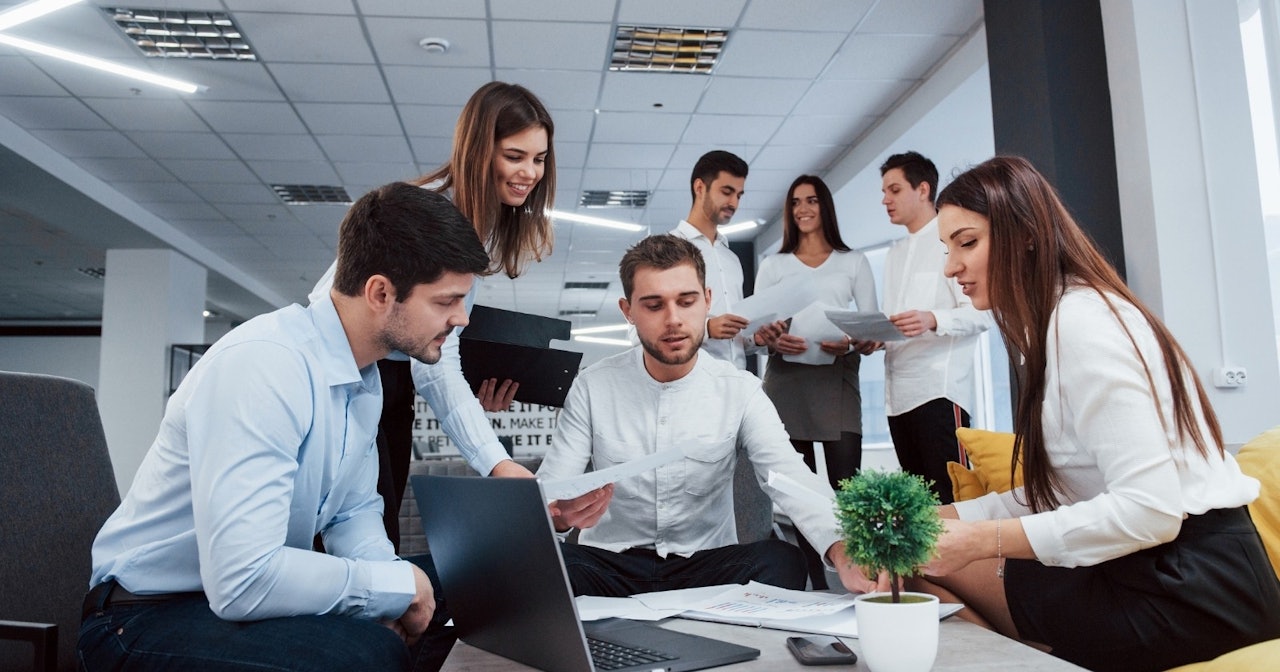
[
  {"x": 717, "y": 183},
  {"x": 269, "y": 441},
  {"x": 673, "y": 527},
  {"x": 928, "y": 386}
]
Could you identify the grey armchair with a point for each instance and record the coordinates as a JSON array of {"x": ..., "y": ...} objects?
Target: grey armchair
[{"x": 57, "y": 487}]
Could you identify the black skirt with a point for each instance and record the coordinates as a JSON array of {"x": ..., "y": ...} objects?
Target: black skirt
[{"x": 1209, "y": 591}]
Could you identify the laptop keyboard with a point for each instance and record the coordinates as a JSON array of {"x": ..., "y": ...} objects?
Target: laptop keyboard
[{"x": 610, "y": 656}]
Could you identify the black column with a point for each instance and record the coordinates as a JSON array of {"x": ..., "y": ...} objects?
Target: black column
[
  {"x": 1050, "y": 103},
  {"x": 746, "y": 251}
]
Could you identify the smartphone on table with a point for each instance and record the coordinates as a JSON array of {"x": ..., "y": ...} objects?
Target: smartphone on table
[{"x": 821, "y": 650}]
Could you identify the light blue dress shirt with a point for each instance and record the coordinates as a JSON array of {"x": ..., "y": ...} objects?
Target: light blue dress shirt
[
  {"x": 268, "y": 441},
  {"x": 447, "y": 392}
]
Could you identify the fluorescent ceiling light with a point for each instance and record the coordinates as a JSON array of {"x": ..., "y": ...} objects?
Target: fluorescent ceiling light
[
  {"x": 99, "y": 64},
  {"x": 730, "y": 229},
  {"x": 594, "y": 221},
  {"x": 600, "y": 330},
  {"x": 603, "y": 341},
  {"x": 31, "y": 10}
]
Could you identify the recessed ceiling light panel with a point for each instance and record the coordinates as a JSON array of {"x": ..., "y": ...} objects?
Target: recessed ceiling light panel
[
  {"x": 172, "y": 33},
  {"x": 311, "y": 194},
  {"x": 614, "y": 199},
  {"x": 659, "y": 49},
  {"x": 577, "y": 313},
  {"x": 586, "y": 285}
]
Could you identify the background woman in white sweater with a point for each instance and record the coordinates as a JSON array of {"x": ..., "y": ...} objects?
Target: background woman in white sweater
[{"x": 1129, "y": 547}]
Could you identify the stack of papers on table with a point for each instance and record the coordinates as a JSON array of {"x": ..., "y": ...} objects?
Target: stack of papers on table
[{"x": 755, "y": 604}]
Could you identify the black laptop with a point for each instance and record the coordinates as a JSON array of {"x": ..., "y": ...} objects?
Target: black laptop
[{"x": 499, "y": 561}]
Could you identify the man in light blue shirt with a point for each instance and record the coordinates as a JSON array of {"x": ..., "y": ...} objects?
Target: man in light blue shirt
[{"x": 268, "y": 442}]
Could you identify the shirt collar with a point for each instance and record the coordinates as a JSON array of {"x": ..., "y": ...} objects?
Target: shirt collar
[
  {"x": 689, "y": 231},
  {"x": 335, "y": 350}
]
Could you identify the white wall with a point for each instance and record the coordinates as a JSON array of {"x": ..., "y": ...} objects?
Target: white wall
[
  {"x": 67, "y": 356},
  {"x": 1189, "y": 197}
]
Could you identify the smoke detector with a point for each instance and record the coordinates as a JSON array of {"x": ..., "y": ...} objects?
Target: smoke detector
[{"x": 434, "y": 45}]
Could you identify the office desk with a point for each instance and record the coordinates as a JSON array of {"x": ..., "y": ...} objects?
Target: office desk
[{"x": 962, "y": 647}]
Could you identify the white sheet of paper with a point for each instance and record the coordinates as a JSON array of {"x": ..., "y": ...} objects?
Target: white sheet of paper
[
  {"x": 764, "y": 602},
  {"x": 812, "y": 324},
  {"x": 594, "y": 608},
  {"x": 682, "y": 599},
  {"x": 754, "y": 325},
  {"x": 568, "y": 488},
  {"x": 783, "y": 299},
  {"x": 867, "y": 326}
]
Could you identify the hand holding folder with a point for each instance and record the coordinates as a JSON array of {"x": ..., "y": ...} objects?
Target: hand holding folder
[{"x": 508, "y": 345}]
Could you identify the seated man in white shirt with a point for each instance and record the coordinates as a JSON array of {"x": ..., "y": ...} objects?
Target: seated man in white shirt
[
  {"x": 208, "y": 563},
  {"x": 674, "y": 527}
]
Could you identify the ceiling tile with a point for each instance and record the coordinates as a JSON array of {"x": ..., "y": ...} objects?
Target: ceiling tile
[
  {"x": 558, "y": 89},
  {"x": 723, "y": 129},
  {"x": 681, "y": 13},
  {"x": 431, "y": 152},
  {"x": 813, "y": 15},
  {"x": 754, "y": 53},
  {"x": 561, "y": 10},
  {"x": 76, "y": 144},
  {"x": 395, "y": 41},
  {"x": 435, "y": 8},
  {"x": 820, "y": 130},
  {"x": 317, "y": 6},
  {"x": 571, "y": 154},
  {"x": 168, "y": 145},
  {"x": 157, "y": 192},
  {"x": 258, "y": 194},
  {"x": 82, "y": 27},
  {"x": 616, "y": 178},
  {"x": 654, "y": 127},
  {"x": 888, "y": 56},
  {"x": 147, "y": 115},
  {"x": 574, "y": 126},
  {"x": 225, "y": 172},
  {"x": 32, "y": 112},
  {"x": 305, "y": 38},
  {"x": 224, "y": 80},
  {"x": 349, "y": 119},
  {"x": 374, "y": 173},
  {"x": 249, "y": 117},
  {"x": 796, "y": 158},
  {"x": 295, "y": 172},
  {"x": 267, "y": 147},
  {"x": 605, "y": 155},
  {"x": 168, "y": 210},
  {"x": 383, "y": 148},
  {"x": 553, "y": 46},
  {"x": 331, "y": 83},
  {"x": 20, "y": 74},
  {"x": 852, "y": 97},
  {"x": 443, "y": 86},
  {"x": 923, "y": 17},
  {"x": 137, "y": 170},
  {"x": 639, "y": 91},
  {"x": 755, "y": 95},
  {"x": 433, "y": 121}
]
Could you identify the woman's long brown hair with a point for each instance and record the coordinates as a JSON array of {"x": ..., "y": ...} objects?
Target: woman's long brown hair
[
  {"x": 1036, "y": 251},
  {"x": 512, "y": 235}
]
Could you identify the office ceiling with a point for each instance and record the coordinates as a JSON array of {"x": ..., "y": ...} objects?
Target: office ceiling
[{"x": 342, "y": 94}]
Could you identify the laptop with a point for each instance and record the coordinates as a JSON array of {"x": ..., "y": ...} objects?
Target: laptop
[{"x": 504, "y": 580}]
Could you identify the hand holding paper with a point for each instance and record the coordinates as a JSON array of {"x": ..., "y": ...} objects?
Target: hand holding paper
[
  {"x": 570, "y": 488},
  {"x": 812, "y": 324}
]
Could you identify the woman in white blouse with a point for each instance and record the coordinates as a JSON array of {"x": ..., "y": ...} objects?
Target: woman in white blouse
[
  {"x": 1129, "y": 547},
  {"x": 818, "y": 402}
]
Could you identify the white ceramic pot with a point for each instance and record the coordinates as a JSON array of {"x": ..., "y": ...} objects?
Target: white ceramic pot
[{"x": 900, "y": 637}]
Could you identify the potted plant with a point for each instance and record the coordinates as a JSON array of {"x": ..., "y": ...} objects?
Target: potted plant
[{"x": 890, "y": 523}]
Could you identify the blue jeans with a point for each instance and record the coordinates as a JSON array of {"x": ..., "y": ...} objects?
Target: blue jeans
[
  {"x": 184, "y": 634},
  {"x": 596, "y": 571}
]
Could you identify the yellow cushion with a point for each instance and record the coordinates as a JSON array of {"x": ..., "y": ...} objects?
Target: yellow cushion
[
  {"x": 964, "y": 482},
  {"x": 1260, "y": 458},
  {"x": 1260, "y": 656},
  {"x": 989, "y": 455}
]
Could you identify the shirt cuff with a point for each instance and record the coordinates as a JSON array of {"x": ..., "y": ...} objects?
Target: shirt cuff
[{"x": 392, "y": 588}]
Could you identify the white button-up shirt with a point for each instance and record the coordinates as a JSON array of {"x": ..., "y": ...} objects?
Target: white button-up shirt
[
  {"x": 724, "y": 277},
  {"x": 616, "y": 412},
  {"x": 936, "y": 364}
]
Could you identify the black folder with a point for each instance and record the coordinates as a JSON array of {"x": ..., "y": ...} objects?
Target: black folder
[{"x": 505, "y": 344}]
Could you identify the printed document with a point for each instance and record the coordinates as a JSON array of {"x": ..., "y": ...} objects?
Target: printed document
[
  {"x": 867, "y": 326},
  {"x": 576, "y": 486}
]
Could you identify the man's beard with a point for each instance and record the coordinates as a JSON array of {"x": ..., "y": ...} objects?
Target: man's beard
[
  {"x": 656, "y": 352},
  {"x": 393, "y": 338}
]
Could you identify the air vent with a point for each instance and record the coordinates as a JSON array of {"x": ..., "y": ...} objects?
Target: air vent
[
  {"x": 614, "y": 199},
  {"x": 577, "y": 313},
  {"x": 586, "y": 285},
  {"x": 653, "y": 49},
  {"x": 95, "y": 273},
  {"x": 311, "y": 194},
  {"x": 168, "y": 33}
]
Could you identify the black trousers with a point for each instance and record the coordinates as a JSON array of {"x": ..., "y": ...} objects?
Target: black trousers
[
  {"x": 395, "y": 441},
  {"x": 596, "y": 571},
  {"x": 925, "y": 440}
]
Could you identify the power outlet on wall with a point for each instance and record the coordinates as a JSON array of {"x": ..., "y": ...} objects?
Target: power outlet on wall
[{"x": 1229, "y": 376}]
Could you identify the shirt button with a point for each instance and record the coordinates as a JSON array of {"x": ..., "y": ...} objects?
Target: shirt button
[{"x": 662, "y": 421}]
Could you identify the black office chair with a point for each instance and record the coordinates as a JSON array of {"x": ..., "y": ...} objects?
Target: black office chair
[{"x": 57, "y": 487}]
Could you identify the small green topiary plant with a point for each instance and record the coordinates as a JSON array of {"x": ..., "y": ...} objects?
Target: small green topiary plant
[{"x": 889, "y": 521}]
